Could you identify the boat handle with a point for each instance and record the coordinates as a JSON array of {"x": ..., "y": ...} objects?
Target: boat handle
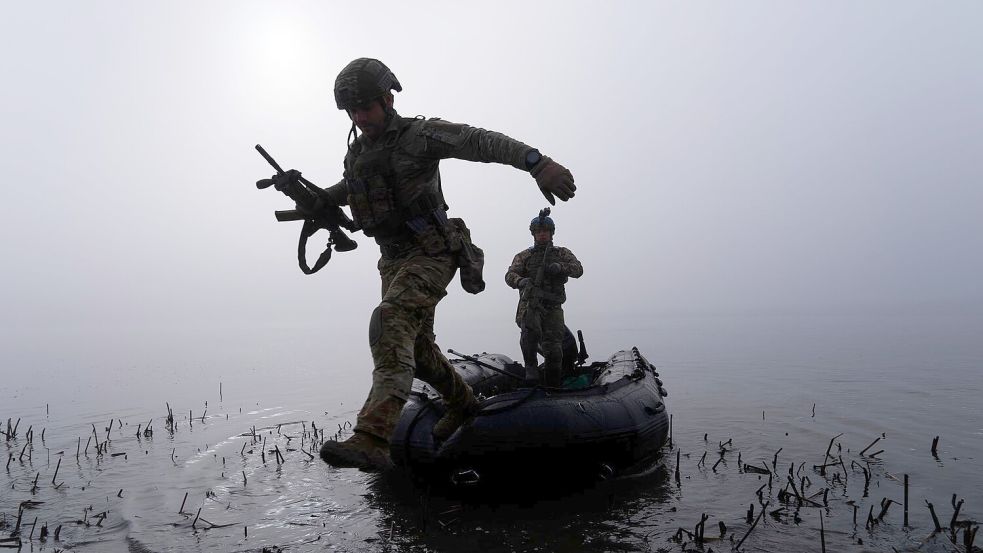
[
  {"x": 467, "y": 477},
  {"x": 659, "y": 407}
]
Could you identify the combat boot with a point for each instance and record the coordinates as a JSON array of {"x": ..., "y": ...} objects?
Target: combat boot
[
  {"x": 453, "y": 419},
  {"x": 361, "y": 451}
]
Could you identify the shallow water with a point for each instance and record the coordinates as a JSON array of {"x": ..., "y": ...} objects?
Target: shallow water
[{"x": 764, "y": 383}]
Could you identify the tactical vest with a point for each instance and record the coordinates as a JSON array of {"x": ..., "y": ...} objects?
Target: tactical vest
[
  {"x": 552, "y": 288},
  {"x": 373, "y": 183},
  {"x": 371, "y": 191}
]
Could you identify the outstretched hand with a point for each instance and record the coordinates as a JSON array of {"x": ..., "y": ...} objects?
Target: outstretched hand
[{"x": 553, "y": 179}]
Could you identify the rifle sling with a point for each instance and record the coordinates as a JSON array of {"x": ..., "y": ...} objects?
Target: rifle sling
[{"x": 308, "y": 230}]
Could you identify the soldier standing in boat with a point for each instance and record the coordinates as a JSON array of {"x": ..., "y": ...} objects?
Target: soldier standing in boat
[
  {"x": 392, "y": 185},
  {"x": 540, "y": 273}
]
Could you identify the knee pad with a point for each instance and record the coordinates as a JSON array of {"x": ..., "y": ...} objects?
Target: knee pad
[{"x": 375, "y": 326}]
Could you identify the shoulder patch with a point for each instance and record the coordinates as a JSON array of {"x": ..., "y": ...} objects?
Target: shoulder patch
[{"x": 442, "y": 131}]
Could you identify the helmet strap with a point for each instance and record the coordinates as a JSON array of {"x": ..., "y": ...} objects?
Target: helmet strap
[{"x": 352, "y": 135}]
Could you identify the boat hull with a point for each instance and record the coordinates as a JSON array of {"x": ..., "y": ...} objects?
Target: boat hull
[{"x": 526, "y": 434}]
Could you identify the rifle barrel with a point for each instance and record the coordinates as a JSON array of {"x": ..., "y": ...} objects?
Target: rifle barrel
[
  {"x": 479, "y": 362},
  {"x": 269, "y": 159}
]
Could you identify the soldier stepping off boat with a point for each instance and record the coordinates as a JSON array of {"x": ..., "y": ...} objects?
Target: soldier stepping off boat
[{"x": 392, "y": 185}]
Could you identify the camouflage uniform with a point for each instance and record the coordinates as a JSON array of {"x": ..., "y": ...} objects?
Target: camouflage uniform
[
  {"x": 544, "y": 325},
  {"x": 416, "y": 240}
]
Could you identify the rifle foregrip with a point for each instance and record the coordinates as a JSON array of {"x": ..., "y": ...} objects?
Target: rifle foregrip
[{"x": 289, "y": 215}]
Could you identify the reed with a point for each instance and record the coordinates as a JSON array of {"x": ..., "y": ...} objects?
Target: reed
[
  {"x": 58, "y": 466},
  {"x": 870, "y": 446},
  {"x": 935, "y": 518},
  {"x": 822, "y": 530},
  {"x": 905, "y": 500},
  {"x": 755, "y": 524}
]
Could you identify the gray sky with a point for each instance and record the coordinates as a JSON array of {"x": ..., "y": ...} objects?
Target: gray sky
[{"x": 753, "y": 157}]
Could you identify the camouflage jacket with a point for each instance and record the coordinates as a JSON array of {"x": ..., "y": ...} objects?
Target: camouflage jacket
[
  {"x": 415, "y": 148},
  {"x": 526, "y": 264}
]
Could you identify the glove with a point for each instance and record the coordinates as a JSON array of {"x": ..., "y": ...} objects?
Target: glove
[
  {"x": 282, "y": 180},
  {"x": 523, "y": 282},
  {"x": 553, "y": 178},
  {"x": 554, "y": 268}
]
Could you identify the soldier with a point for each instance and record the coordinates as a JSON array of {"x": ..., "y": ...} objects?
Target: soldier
[
  {"x": 539, "y": 273},
  {"x": 392, "y": 185}
]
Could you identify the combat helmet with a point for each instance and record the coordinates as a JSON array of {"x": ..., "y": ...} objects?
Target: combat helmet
[
  {"x": 542, "y": 220},
  {"x": 362, "y": 81}
]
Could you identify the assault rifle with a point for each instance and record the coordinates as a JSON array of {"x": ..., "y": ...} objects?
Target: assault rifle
[{"x": 313, "y": 210}]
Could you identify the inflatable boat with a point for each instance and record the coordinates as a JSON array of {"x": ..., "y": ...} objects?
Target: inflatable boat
[{"x": 609, "y": 419}]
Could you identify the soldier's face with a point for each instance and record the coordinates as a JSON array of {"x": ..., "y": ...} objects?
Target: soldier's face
[
  {"x": 542, "y": 236},
  {"x": 370, "y": 118}
]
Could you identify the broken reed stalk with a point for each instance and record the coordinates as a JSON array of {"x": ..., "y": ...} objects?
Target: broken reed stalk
[
  {"x": 702, "y": 459},
  {"x": 955, "y": 514},
  {"x": 828, "y": 448},
  {"x": 822, "y": 532},
  {"x": 798, "y": 496},
  {"x": 58, "y": 466},
  {"x": 885, "y": 505},
  {"x": 181, "y": 510},
  {"x": 677, "y": 466},
  {"x": 196, "y": 518},
  {"x": 906, "y": 500},
  {"x": 935, "y": 446},
  {"x": 748, "y": 533},
  {"x": 700, "y": 528},
  {"x": 935, "y": 519},
  {"x": 870, "y": 446}
]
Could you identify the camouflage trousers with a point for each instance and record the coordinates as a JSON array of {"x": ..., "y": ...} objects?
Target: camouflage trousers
[
  {"x": 543, "y": 329},
  {"x": 402, "y": 341}
]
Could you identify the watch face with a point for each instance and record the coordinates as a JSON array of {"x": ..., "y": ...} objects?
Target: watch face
[{"x": 532, "y": 158}]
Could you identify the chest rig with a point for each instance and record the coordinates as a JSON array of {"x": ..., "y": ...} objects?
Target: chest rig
[
  {"x": 377, "y": 198},
  {"x": 372, "y": 184},
  {"x": 551, "y": 289}
]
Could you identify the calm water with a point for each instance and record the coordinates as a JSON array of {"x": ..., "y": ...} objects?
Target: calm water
[{"x": 752, "y": 381}]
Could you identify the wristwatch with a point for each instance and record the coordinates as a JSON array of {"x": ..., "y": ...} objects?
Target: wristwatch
[{"x": 532, "y": 158}]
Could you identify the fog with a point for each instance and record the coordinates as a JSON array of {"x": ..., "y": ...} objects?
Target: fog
[{"x": 755, "y": 158}]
